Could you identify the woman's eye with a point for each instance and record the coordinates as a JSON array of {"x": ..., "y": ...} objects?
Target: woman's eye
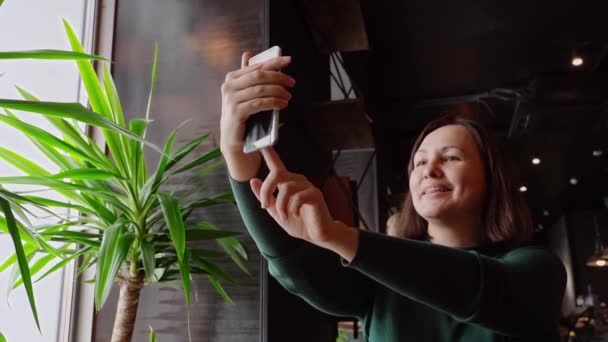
[
  {"x": 452, "y": 158},
  {"x": 421, "y": 162}
]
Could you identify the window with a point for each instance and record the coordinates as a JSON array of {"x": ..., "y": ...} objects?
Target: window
[{"x": 30, "y": 25}]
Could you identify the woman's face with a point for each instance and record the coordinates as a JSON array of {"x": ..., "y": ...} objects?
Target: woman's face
[{"x": 448, "y": 177}]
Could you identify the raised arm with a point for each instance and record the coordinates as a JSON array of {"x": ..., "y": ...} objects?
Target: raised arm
[
  {"x": 517, "y": 294},
  {"x": 309, "y": 271}
]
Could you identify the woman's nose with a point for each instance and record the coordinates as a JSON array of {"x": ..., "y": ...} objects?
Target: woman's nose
[{"x": 432, "y": 169}]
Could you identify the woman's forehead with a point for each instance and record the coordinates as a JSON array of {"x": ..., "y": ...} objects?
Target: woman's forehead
[{"x": 446, "y": 137}]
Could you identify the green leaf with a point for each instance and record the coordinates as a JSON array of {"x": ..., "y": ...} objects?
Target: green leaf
[
  {"x": 27, "y": 248},
  {"x": 49, "y": 55},
  {"x": 213, "y": 269},
  {"x": 21, "y": 258},
  {"x": 138, "y": 165},
  {"x": 197, "y": 234},
  {"x": 109, "y": 261},
  {"x": 90, "y": 259},
  {"x": 184, "y": 270},
  {"x": 72, "y": 234},
  {"x": 52, "y": 203},
  {"x": 152, "y": 335},
  {"x": 209, "y": 168},
  {"x": 64, "y": 262},
  {"x": 21, "y": 163},
  {"x": 74, "y": 134},
  {"x": 224, "y": 198},
  {"x": 36, "y": 267},
  {"x": 153, "y": 182},
  {"x": 112, "y": 93},
  {"x": 173, "y": 217},
  {"x": 75, "y": 239},
  {"x": 27, "y": 236},
  {"x": 231, "y": 246},
  {"x": 2, "y": 338},
  {"x": 99, "y": 103},
  {"x": 152, "y": 81},
  {"x": 50, "y": 153},
  {"x": 185, "y": 150},
  {"x": 219, "y": 289},
  {"x": 85, "y": 174},
  {"x": 205, "y": 158},
  {"x": 104, "y": 213},
  {"x": 147, "y": 255},
  {"x": 43, "y": 137},
  {"x": 42, "y": 181},
  {"x": 73, "y": 111}
]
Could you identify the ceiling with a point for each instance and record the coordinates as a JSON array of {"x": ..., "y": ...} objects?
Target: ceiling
[{"x": 508, "y": 63}]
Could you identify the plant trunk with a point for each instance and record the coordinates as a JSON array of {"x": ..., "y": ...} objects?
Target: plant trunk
[{"x": 126, "y": 311}]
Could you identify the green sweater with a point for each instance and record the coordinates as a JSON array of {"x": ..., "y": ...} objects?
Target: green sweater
[{"x": 409, "y": 290}]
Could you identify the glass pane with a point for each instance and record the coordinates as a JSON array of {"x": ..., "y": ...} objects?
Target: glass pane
[
  {"x": 29, "y": 25},
  {"x": 199, "y": 42}
]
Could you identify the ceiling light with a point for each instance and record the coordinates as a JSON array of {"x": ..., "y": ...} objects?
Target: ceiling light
[
  {"x": 597, "y": 153},
  {"x": 535, "y": 161},
  {"x": 523, "y": 189},
  {"x": 573, "y": 181},
  {"x": 546, "y": 212},
  {"x": 577, "y": 61}
]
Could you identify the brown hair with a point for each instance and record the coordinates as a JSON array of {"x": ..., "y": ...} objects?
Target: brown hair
[{"x": 505, "y": 215}]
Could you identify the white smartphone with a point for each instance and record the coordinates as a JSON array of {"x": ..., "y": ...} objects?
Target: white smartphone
[{"x": 262, "y": 129}]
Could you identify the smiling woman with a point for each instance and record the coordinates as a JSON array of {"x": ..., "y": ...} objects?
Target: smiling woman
[
  {"x": 483, "y": 205},
  {"x": 462, "y": 271}
]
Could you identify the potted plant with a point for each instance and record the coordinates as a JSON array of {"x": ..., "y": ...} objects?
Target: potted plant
[{"x": 131, "y": 228}]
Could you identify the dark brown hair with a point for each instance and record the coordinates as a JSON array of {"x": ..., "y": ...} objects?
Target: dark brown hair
[{"x": 506, "y": 218}]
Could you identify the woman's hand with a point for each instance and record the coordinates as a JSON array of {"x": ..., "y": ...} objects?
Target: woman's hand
[
  {"x": 246, "y": 91},
  {"x": 300, "y": 208}
]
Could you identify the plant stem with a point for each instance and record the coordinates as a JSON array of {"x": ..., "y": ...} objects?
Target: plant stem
[{"x": 128, "y": 301}]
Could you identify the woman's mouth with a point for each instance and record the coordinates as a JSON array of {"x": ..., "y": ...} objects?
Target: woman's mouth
[{"x": 434, "y": 191}]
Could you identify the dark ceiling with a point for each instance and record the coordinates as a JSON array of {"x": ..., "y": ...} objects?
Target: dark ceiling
[{"x": 508, "y": 63}]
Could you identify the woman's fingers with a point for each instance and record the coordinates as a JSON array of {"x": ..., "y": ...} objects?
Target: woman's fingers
[
  {"x": 286, "y": 191},
  {"x": 248, "y": 108},
  {"x": 256, "y": 187},
  {"x": 303, "y": 197},
  {"x": 260, "y": 76},
  {"x": 271, "y": 64},
  {"x": 245, "y": 58},
  {"x": 268, "y": 188},
  {"x": 261, "y": 91},
  {"x": 273, "y": 161}
]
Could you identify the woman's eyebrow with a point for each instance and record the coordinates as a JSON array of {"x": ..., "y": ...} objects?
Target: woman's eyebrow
[{"x": 442, "y": 149}]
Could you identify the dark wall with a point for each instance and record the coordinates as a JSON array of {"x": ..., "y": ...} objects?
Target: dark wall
[{"x": 288, "y": 318}]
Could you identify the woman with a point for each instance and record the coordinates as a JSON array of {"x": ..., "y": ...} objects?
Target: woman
[{"x": 461, "y": 270}]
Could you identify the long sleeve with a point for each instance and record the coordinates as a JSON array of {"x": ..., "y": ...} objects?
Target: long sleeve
[
  {"x": 517, "y": 294},
  {"x": 312, "y": 273}
]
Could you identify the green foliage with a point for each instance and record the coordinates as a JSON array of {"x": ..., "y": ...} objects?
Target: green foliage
[{"x": 128, "y": 224}]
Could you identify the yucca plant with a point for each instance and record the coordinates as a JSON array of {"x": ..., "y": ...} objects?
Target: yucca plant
[{"x": 135, "y": 230}]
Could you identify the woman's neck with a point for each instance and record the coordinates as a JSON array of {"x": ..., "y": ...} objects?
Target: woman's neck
[{"x": 455, "y": 233}]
